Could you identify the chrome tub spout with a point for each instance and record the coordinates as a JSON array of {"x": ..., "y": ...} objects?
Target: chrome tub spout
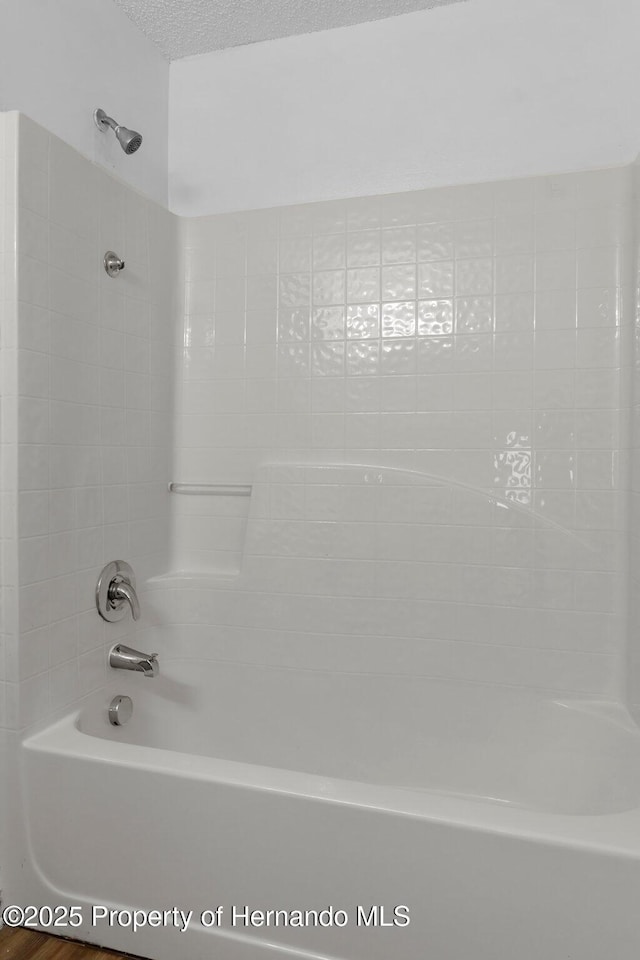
[{"x": 126, "y": 658}]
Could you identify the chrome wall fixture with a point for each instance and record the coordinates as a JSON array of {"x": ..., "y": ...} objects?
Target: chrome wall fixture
[
  {"x": 120, "y": 711},
  {"x": 115, "y": 591},
  {"x": 113, "y": 265},
  {"x": 122, "y": 657},
  {"x": 129, "y": 140}
]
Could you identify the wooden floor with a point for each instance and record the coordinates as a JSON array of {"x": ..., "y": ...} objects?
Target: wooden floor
[{"x": 19, "y": 944}]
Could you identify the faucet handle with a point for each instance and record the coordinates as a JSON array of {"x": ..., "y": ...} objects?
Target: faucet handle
[{"x": 111, "y": 603}]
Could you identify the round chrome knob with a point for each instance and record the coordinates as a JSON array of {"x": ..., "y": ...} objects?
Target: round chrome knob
[
  {"x": 112, "y": 263},
  {"x": 120, "y": 710}
]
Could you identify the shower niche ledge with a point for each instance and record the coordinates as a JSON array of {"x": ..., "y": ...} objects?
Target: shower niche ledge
[
  {"x": 192, "y": 579},
  {"x": 210, "y": 489},
  {"x": 209, "y": 529}
]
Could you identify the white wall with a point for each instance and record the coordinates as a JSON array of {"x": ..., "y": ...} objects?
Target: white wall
[
  {"x": 469, "y": 92},
  {"x": 59, "y": 61}
]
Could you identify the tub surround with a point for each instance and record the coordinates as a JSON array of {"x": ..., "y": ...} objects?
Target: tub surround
[{"x": 427, "y": 397}]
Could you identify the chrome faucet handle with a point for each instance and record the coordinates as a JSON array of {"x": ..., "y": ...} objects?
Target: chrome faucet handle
[
  {"x": 116, "y": 591},
  {"x": 122, "y": 591}
]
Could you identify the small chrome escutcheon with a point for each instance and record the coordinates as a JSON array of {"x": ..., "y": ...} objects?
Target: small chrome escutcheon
[
  {"x": 112, "y": 263},
  {"x": 120, "y": 711}
]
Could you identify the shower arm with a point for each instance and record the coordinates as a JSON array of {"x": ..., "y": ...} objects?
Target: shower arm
[{"x": 105, "y": 121}]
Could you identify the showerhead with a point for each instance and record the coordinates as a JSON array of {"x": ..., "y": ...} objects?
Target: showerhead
[{"x": 129, "y": 140}]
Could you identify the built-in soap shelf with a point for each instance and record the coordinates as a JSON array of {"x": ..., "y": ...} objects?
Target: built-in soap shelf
[
  {"x": 211, "y": 489},
  {"x": 192, "y": 579}
]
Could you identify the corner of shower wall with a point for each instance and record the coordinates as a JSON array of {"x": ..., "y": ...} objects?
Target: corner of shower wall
[
  {"x": 8, "y": 457},
  {"x": 91, "y": 413},
  {"x": 86, "y": 399},
  {"x": 208, "y": 531},
  {"x": 632, "y": 330}
]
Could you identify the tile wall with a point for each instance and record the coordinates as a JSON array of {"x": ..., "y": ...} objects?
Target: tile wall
[
  {"x": 8, "y": 448},
  {"x": 8, "y": 365},
  {"x": 476, "y": 338},
  {"x": 92, "y": 410},
  {"x": 380, "y": 570},
  {"x": 633, "y": 324},
  {"x": 472, "y": 334}
]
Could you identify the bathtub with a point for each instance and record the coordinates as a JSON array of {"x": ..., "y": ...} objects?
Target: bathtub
[{"x": 303, "y": 814}]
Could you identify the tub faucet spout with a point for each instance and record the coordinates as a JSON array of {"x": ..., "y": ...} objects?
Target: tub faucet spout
[{"x": 122, "y": 657}]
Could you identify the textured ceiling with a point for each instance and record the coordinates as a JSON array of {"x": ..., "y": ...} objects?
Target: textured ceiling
[{"x": 182, "y": 28}]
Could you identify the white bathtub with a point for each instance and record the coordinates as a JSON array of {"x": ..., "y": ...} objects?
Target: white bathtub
[{"x": 507, "y": 824}]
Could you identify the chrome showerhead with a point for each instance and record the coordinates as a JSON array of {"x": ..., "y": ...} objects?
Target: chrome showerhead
[{"x": 129, "y": 140}]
